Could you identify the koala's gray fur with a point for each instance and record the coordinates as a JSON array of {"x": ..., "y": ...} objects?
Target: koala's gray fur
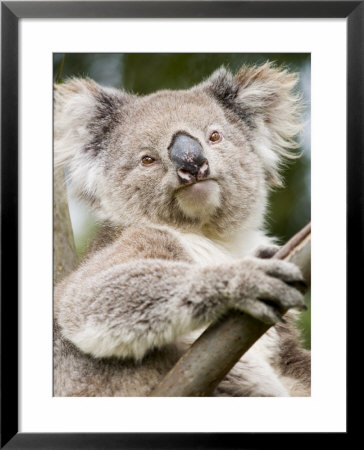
[{"x": 175, "y": 255}]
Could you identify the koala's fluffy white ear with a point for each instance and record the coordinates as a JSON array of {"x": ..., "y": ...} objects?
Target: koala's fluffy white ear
[
  {"x": 84, "y": 114},
  {"x": 265, "y": 99}
]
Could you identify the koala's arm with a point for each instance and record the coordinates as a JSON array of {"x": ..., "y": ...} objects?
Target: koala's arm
[{"x": 115, "y": 306}]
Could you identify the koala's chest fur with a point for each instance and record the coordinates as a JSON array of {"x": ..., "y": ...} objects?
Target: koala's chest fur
[{"x": 203, "y": 250}]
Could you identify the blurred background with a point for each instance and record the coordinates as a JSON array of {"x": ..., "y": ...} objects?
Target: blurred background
[{"x": 290, "y": 207}]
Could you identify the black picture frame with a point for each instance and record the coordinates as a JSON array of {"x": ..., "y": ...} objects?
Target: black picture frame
[{"x": 11, "y": 12}]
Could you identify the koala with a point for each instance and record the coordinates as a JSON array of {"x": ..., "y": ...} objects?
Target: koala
[{"x": 179, "y": 182}]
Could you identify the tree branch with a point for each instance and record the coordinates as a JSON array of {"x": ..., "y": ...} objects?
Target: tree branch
[{"x": 219, "y": 348}]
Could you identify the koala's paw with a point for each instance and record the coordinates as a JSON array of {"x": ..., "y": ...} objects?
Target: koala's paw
[{"x": 267, "y": 288}]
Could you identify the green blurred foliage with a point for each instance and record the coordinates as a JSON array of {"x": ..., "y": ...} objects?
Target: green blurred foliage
[
  {"x": 304, "y": 322},
  {"x": 142, "y": 73}
]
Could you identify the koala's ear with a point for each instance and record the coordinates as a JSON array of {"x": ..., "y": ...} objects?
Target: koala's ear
[
  {"x": 265, "y": 99},
  {"x": 84, "y": 116}
]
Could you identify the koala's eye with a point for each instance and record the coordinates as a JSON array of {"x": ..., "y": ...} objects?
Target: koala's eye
[
  {"x": 147, "y": 160},
  {"x": 215, "y": 136}
]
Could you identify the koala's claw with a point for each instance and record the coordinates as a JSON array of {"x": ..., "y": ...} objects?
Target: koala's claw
[
  {"x": 262, "y": 311},
  {"x": 266, "y": 251},
  {"x": 301, "y": 285},
  {"x": 284, "y": 270}
]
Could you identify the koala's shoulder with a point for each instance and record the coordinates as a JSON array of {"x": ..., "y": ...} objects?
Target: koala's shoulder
[
  {"x": 153, "y": 242},
  {"x": 140, "y": 242}
]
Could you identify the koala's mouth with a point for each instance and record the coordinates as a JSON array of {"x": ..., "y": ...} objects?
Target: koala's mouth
[
  {"x": 198, "y": 188},
  {"x": 191, "y": 183},
  {"x": 199, "y": 198}
]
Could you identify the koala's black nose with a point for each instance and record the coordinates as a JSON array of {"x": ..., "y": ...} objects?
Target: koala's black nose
[{"x": 187, "y": 155}]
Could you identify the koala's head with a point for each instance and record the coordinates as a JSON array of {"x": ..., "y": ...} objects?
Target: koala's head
[{"x": 198, "y": 159}]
